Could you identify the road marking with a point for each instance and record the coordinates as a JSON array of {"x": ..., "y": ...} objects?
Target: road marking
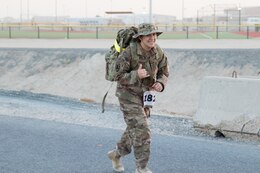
[{"x": 207, "y": 36}]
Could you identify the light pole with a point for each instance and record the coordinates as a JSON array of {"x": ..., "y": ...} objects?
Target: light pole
[
  {"x": 21, "y": 11},
  {"x": 56, "y": 17},
  {"x": 227, "y": 22},
  {"x": 214, "y": 17},
  {"x": 28, "y": 10},
  {"x": 182, "y": 15},
  {"x": 150, "y": 12},
  {"x": 239, "y": 19},
  {"x": 197, "y": 20},
  {"x": 237, "y": 13}
]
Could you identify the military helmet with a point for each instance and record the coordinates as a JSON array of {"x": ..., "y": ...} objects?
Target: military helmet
[{"x": 146, "y": 29}]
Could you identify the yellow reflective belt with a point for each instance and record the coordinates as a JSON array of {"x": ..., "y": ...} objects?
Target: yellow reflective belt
[{"x": 117, "y": 47}]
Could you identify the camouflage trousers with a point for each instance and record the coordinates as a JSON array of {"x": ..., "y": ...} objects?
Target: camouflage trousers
[{"x": 137, "y": 134}]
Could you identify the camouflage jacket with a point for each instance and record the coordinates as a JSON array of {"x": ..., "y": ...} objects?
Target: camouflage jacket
[{"x": 129, "y": 85}]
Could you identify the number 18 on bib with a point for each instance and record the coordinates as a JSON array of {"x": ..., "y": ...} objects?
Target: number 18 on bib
[{"x": 149, "y": 98}]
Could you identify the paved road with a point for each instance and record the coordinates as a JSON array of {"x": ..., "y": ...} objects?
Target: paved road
[{"x": 30, "y": 145}]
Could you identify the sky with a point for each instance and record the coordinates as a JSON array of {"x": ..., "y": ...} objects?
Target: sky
[{"x": 92, "y": 8}]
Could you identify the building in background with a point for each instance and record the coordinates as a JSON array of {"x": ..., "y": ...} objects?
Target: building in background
[
  {"x": 49, "y": 19},
  {"x": 213, "y": 15},
  {"x": 158, "y": 19},
  {"x": 228, "y": 17}
]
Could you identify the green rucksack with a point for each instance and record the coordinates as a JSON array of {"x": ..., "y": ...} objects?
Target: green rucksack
[{"x": 123, "y": 39}]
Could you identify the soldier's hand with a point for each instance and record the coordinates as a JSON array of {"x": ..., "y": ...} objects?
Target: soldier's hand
[
  {"x": 142, "y": 73},
  {"x": 157, "y": 86}
]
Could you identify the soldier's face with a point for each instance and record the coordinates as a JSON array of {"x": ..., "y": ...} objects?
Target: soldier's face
[{"x": 148, "y": 41}]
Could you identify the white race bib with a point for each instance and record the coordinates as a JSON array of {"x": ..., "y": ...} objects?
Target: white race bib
[{"x": 149, "y": 98}]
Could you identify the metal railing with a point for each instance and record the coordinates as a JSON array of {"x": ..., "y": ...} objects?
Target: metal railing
[{"x": 109, "y": 32}]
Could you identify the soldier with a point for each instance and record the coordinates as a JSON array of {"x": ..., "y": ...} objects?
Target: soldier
[{"x": 142, "y": 68}]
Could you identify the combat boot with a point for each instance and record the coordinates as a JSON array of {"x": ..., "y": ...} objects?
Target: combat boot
[
  {"x": 143, "y": 170},
  {"x": 116, "y": 161}
]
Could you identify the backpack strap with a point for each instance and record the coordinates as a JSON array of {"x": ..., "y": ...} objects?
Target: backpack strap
[
  {"x": 135, "y": 59},
  {"x": 104, "y": 98},
  {"x": 119, "y": 47}
]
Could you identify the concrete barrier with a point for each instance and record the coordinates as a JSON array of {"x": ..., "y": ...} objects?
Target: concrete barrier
[{"x": 229, "y": 103}]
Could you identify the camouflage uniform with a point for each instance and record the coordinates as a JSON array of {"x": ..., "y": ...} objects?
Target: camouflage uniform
[{"x": 130, "y": 91}]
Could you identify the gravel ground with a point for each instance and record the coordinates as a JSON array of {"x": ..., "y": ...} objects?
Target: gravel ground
[
  {"x": 56, "y": 108},
  {"x": 62, "y": 109}
]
